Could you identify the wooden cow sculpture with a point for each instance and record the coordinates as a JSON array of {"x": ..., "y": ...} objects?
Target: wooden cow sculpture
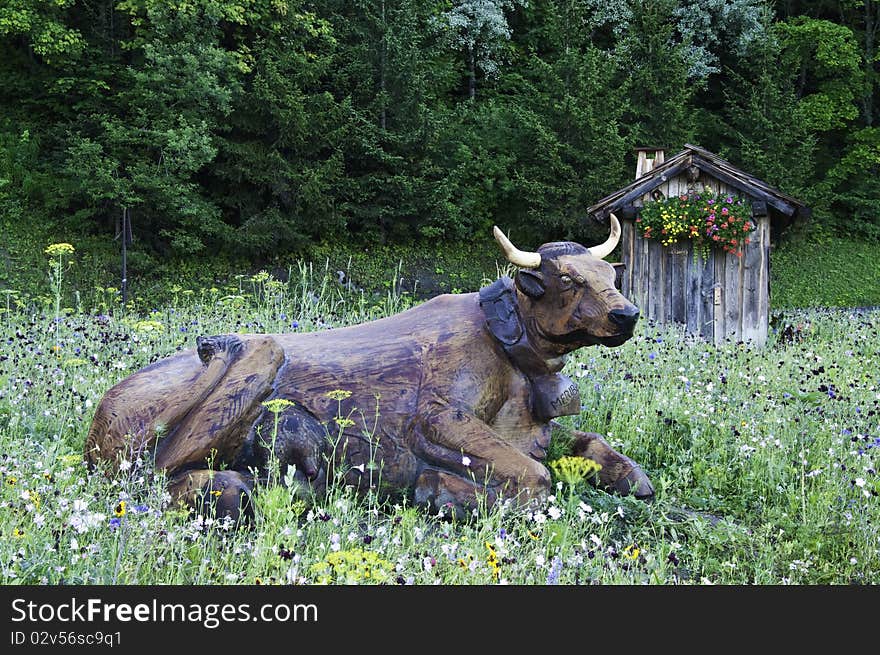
[{"x": 442, "y": 403}]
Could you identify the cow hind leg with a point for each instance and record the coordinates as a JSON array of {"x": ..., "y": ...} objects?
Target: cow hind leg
[
  {"x": 439, "y": 491},
  {"x": 215, "y": 493}
]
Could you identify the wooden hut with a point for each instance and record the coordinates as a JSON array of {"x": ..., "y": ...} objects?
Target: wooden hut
[{"x": 723, "y": 295}]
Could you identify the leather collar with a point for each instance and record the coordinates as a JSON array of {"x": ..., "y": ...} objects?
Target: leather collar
[{"x": 552, "y": 394}]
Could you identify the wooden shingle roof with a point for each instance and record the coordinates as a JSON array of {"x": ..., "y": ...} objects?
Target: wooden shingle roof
[{"x": 621, "y": 201}]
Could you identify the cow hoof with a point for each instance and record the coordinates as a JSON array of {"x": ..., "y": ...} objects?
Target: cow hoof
[
  {"x": 635, "y": 483},
  {"x": 227, "y": 495},
  {"x": 449, "y": 493},
  {"x": 215, "y": 494}
]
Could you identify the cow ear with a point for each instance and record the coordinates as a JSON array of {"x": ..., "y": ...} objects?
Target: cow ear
[
  {"x": 530, "y": 283},
  {"x": 619, "y": 269}
]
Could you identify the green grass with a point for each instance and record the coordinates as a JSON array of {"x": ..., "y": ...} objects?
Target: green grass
[
  {"x": 828, "y": 272},
  {"x": 763, "y": 459},
  {"x": 807, "y": 270}
]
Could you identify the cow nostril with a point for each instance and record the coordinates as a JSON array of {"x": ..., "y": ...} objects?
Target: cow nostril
[{"x": 625, "y": 318}]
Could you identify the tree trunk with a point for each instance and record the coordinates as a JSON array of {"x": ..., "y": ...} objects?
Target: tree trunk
[
  {"x": 472, "y": 72},
  {"x": 383, "y": 54},
  {"x": 870, "y": 34}
]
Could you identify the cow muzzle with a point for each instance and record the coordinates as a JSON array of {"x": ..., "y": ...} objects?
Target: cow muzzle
[{"x": 624, "y": 318}]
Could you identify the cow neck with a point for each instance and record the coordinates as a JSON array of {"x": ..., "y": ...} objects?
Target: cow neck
[{"x": 552, "y": 394}]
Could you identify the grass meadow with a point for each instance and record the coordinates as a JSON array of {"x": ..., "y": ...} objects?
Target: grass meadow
[{"x": 763, "y": 459}]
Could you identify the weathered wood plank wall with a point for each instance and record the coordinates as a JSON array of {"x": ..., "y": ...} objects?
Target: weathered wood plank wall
[{"x": 725, "y": 297}]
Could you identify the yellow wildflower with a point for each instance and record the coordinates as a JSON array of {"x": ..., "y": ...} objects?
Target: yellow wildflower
[
  {"x": 58, "y": 249},
  {"x": 277, "y": 405},
  {"x": 631, "y": 552},
  {"x": 573, "y": 470}
]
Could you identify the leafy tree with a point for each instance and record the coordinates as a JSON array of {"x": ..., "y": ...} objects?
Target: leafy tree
[
  {"x": 393, "y": 75},
  {"x": 767, "y": 132},
  {"x": 853, "y": 183},
  {"x": 145, "y": 142},
  {"x": 716, "y": 31},
  {"x": 826, "y": 58},
  {"x": 479, "y": 28},
  {"x": 278, "y": 159},
  {"x": 660, "y": 91}
]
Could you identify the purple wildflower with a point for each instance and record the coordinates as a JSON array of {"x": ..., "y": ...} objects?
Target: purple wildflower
[{"x": 555, "y": 570}]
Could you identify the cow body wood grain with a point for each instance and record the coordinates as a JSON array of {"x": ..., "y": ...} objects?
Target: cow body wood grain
[{"x": 427, "y": 404}]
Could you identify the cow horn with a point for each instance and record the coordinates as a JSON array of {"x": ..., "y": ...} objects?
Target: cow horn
[
  {"x": 513, "y": 254},
  {"x": 604, "y": 249}
]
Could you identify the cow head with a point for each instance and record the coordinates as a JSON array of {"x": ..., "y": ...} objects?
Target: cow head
[{"x": 567, "y": 294}]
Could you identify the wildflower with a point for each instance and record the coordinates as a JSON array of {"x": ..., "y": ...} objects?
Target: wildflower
[
  {"x": 338, "y": 394},
  {"x": 115, "y": 522},
  {"x": 343, "y": 422},
  {"x": 492, "y": 561},
  {"x": 119, "y": 510},
  {"x": 465, "y": 460},
  {"x": 632, "y": 552},
  {"x": 277, "y": 405},
  {"x": 18, "y": 533},
  {"x": 555, "y": 570},
  {"x": 352, "y": 566},
  {"x": 573, "y": 470},
  {"x": 149, "y": 326},
  {"x": 11, "y": 480},
  {"x": 59, "y": 249}
]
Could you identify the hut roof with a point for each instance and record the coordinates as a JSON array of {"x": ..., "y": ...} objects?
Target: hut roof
[{"x": 693, "y": 156}]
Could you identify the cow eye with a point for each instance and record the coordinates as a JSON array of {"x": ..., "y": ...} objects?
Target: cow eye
[{"x": 565, "y": 279}]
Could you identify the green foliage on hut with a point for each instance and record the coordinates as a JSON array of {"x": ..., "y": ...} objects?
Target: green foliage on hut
[{"x": 696, "y": 242}]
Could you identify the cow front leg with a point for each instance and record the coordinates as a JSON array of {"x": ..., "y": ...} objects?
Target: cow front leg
[
  {"x": 453, "y": 439},
  {"x": 618, "y": 473},
  {"x": 214, "y": 493}
]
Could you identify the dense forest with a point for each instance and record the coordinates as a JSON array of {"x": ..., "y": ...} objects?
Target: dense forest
[{"x": 259, "y": 126}]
